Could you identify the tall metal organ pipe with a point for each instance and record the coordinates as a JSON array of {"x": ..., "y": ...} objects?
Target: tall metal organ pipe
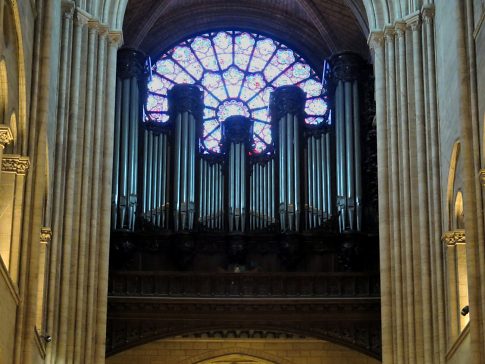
[
  {"x": 287, "y": 109},
  {"x": 261, "y": 192},
  {"x": 318, "y": 208},
  {"x": 130, "y": 75},
  {"x": 345, "y": 72},
  {"x": 185, "y": 106},
  {"x": 236, "y": 141}
]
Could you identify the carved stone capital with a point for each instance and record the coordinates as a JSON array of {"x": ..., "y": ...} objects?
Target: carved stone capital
[
  {"x": 287, "y": 100},
  {"x": 5, "y": 135},
  {"x": 346, "y": 66},
  {"x": 103, "y": 30},
  {"x": 414, "y": 22},
  {"x": 115, "y": 38},
  {"x": 376, "y": 40},
  {"x": 186, "y": 98},
  {"x": 81, "y": 18},
  {"x": 236, "y": 129},
  {"x": 131, "y": 63},
  {"x": 67, "y": 8},
  {"x": 389, "y": 33},
  {"x": 427, "y": 13},
  {"x": 16, "y": 164},
  {"x": 45, "y": 235},
  {"x": 451, "y": 238},
  {"x": 93, "y": 26},
  {"x": 400, "y": 28}
]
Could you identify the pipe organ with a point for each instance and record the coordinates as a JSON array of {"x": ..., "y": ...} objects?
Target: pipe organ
[
  {"x": 211, "y": 192},
  {"x": 309, "y": 177},
  {"x": 287, "y": 106},
  {"x": 130, "y": 75},
  {"x": 318, "y": 183},
  {"x": 262, "y": 194},
  {"x": 185, "y": 105},
  {"x": 345, "y": 68},
  {"x": 236, "y": 141}
]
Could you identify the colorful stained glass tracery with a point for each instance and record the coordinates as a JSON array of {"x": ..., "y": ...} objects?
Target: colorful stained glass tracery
[{"x": 237, "y": 72}]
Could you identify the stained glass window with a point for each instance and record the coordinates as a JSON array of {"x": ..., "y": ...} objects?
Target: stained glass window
[{"x": 237, "y": 72}]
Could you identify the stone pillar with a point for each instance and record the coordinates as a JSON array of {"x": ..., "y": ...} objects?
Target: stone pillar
[
  {"x": 287, "y": 107},
  {"x": 408, "y": 168},
  {"x": 185, "y": 106},
  {"x": 377, "y": 44},
  {"x": 346, "y": 69},
  {"x": 131, "y": 75},
  {"x": 236, "y": 141}
]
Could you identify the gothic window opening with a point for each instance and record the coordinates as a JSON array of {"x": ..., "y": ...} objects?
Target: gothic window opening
[{"x": 237, "y": 72}]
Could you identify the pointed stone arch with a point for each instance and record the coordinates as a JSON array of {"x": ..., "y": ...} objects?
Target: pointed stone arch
[{"x": 264, "y": 357}]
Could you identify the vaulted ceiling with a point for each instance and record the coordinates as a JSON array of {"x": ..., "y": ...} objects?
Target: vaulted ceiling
[{"x": 315, "y": 28}]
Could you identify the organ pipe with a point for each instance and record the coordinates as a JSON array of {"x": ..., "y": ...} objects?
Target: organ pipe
[
  {"x": 185, "y": 108},
  {"x": 287, "y": 110},
  {"x": 236, "y": 141},
  {"x": 131, "y": 73},
  {"x": 345, "y": 71},
  {"x": 291, "y": 190},
  {"x": 211, "y": 194},
  {"x": 318, "y": 175}
]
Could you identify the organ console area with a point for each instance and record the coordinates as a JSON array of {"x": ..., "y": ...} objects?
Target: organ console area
[{"x": 303, "y": 195}]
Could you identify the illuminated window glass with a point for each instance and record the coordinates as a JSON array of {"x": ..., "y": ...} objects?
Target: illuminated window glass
[{"x": 237, "y": 72}]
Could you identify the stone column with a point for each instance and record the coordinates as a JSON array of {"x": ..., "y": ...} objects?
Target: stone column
[
  {"x": 58, "y": 189},
  {"x": 185, "y": 106},
  {"x": 114, "y": 41},
  {"x": 472, "y": 192},
  {"x": 95, "y": 192},
  {"x": 72, "y": 168},
  {"x": 346, "y": 69},
  {"x": 405, "y": 186},
  {"x": 286, "y": 106},
  {"x": 388, "y": 330},
  {"x": 435, "y": 183},
  {"x": 236, "y": 141},
  {"x": 394, "y": 193},
  {"x": 131, "y": 72}
]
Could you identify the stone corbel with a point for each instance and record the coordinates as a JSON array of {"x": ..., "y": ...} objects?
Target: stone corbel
[
  {"x": 16, "y": 164},
  {"x": 5, "y": 136},
  {"x": 453, "y": 237},
  {"x": 45, "y": 235}
]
